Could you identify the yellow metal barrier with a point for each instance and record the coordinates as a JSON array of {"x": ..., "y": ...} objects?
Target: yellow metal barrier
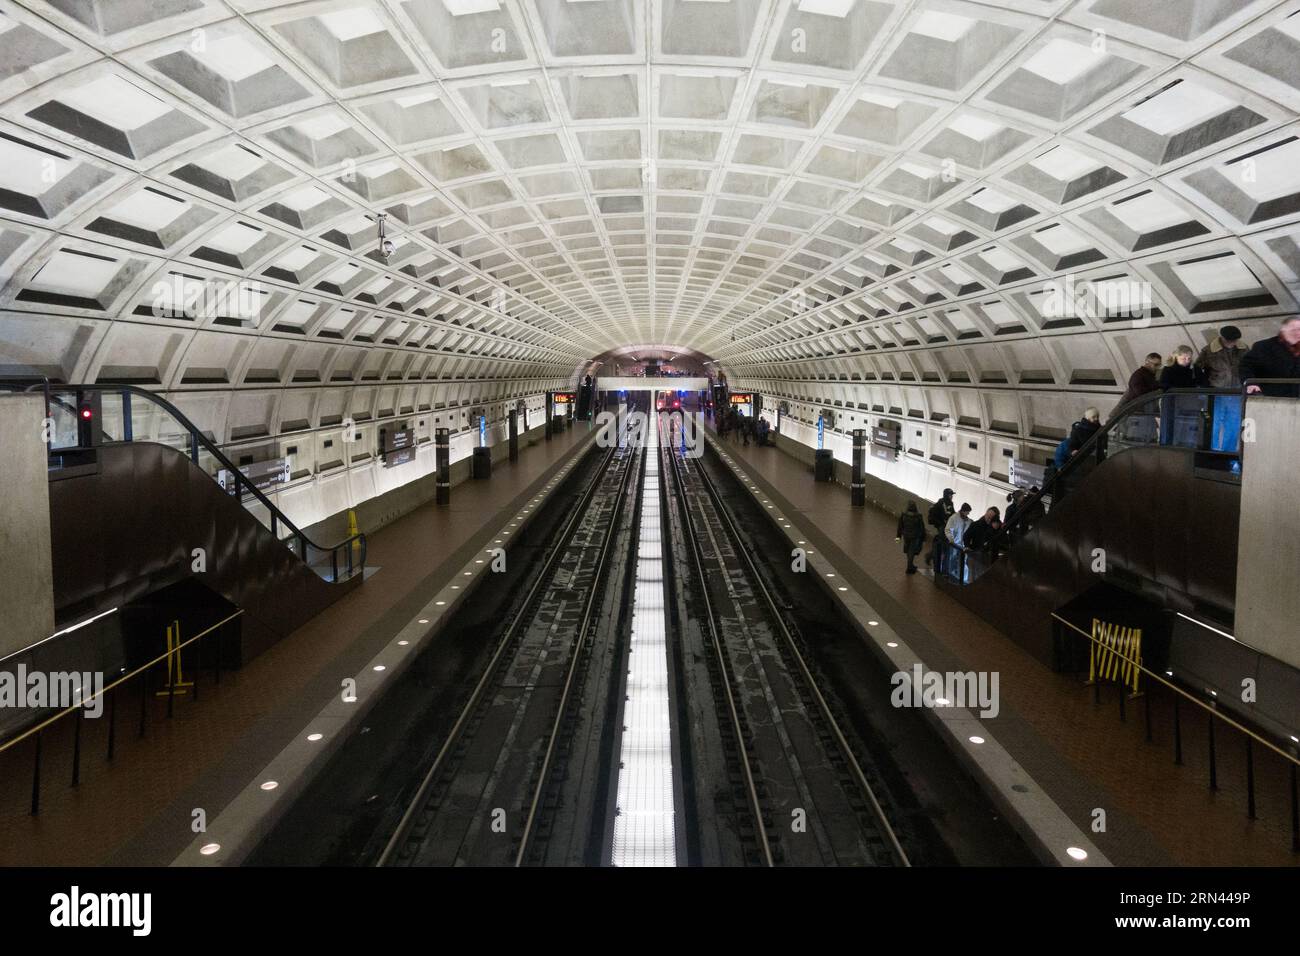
[
  {"x": 1115, "y": 654},
  {"x": 176, "y": 682}
]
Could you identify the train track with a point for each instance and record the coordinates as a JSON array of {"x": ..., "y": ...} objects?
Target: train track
[
  {"x": 809, "y": 799},
  {"x": 510, "y": 734}
]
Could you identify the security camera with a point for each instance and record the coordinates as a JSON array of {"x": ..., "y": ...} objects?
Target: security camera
[{"x": 386, "y": 248}]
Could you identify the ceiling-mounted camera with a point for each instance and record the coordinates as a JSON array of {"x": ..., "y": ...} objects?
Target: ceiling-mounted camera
[{"x": 386, "y": 246}]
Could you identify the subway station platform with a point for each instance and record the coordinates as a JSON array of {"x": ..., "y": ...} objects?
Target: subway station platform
[
  {"x": 138, "y": 809},
  {"x": 1078, "y": 751}
]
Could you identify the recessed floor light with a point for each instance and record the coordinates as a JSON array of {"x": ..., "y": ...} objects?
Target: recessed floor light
[
  {"x": 379, "y": 667},
  {"x": 424, "y": 620},
  {"x": 315, "y": 736},
  {"x": 209, "y": 848},
  {"x": 976, "y": 740},
  {"x": 270, "y": 785},
  {"x": 1076, "y": 853}
]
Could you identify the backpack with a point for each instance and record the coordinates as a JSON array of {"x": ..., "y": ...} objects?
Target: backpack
[
  {"x": 1062, "y": 453},
  {"x": 938, "y": 515}
]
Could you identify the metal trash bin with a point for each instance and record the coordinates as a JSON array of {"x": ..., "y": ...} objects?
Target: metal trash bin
[{"x": 823, "y": 465}]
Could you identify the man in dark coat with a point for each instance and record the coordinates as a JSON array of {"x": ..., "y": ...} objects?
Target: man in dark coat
[
  {"x": 1278, "y": 357},
  {"x": 981, "y": 532},
  {"x": 911, "y": 531},
  {"x": 1143, "y": 380},
  {"x": 940, "y": 512}
]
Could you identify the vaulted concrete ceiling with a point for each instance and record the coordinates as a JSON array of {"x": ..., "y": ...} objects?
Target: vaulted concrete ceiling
[{"x": 780, "y": 184}]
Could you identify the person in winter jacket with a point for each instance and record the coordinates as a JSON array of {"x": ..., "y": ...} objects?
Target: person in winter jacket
[
  {"x": 940, "y": 512},
  {"x": 1276, "y": 357},
  {"x": 1220, "y": 361},
  {"x": 1179, "y": 372},
  {"x": 955, "y": 535},
  {"x": 1082, "y": 430},
  {"x": 1143, "y": 381},
  {"x": 911, "y": 532},
  {"x": 980, "y": 533},
  {"x": 955, "y": 530}
]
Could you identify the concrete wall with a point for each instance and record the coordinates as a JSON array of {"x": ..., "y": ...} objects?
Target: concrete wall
[
  {"x": 1268, "y": 555},
  {"x": 880, "y": 493},
  {"x": 373, "y": 513},
  {"x": 915, "y": 477},
  {"x": 27, "y": 611}
]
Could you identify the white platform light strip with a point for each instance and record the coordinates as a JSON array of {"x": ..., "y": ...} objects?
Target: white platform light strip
[{"x": 644, "y": 830}]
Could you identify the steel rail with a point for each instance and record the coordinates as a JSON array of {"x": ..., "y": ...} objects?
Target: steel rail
[
  {"x": 710, "y": 617},
  {"x": 775, "y": 610},
  {"x": 421, "y": 797},
  {"x": 575, "y": 657}
]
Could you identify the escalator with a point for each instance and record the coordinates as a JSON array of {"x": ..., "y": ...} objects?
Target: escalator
[
  {"x": 1144, "y": 516},
  {"x": 141, "y": 500}
]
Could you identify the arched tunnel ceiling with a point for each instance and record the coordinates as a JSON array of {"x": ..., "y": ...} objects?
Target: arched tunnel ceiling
[{"x": 782, "y": 185}]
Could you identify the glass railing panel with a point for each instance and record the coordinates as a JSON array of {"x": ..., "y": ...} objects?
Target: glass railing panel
[
  {"x": 63, "y": 415},
  {"x": 112, "y": 421}
]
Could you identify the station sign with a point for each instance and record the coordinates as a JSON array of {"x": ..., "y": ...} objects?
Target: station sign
[
  {"x": 397, "y": 446},
  {"x": 1026, "y": 474},
  {"x": 263, "y": 475},
  {"x": 884, "y": 435}
]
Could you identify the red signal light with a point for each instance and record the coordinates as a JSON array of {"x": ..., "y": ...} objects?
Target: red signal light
[{"x": 87, "y": 413}]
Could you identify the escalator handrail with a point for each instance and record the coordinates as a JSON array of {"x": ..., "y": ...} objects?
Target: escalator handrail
[
  {"x": 197, "y": 435},
  {"x": 1092, "y": 447}
]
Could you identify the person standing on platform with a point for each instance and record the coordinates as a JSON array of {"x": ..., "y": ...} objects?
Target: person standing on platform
[
  {"x": 940, "y": 512},
  {"x": 954, "y": 531},
  {"x": 911, "y": 532}
]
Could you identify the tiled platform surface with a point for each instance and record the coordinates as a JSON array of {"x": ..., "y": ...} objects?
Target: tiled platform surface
[
  {"x": 138, "y": 809},
  {"x": 1079, "y": 752}
]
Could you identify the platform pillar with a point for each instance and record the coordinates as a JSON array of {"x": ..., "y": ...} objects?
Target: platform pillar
[
  {"x": 858, "y": 486},
  {"x": 550, "y": 413},
  {"x": 442, "y": 450},
  {"x": 512, "y": 421}
]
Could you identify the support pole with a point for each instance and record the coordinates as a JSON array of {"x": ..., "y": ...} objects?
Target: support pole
[
  {"x": 442, "y": 451},
  {"x": 858, "y": 487}
]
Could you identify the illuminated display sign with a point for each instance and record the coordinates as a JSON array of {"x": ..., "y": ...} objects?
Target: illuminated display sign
[
  {"x": 742, "y": 398},
  {"x": 564, "y": 398}
]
